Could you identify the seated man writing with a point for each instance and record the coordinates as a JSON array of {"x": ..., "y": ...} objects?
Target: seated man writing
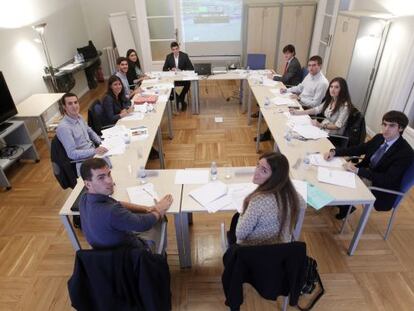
[
  {"x": 108, "y": 223},
  {"x": 387, "y": 156}
]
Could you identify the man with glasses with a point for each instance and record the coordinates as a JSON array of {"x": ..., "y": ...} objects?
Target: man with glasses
[{"x": 387, "y": 156}]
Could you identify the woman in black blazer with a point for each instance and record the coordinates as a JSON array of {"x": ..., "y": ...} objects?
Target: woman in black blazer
[{"x": 115, "y": 104}]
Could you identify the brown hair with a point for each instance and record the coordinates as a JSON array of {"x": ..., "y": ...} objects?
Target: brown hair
[
  {"x": 316, "y": 58},
  {"x": 89, "y": 165},
  {"x": 398, "y": 117},
  {"x": 280, "y": 185},
  {"x": 343, "y": 97},
  {"x": 62, "y": 102}
]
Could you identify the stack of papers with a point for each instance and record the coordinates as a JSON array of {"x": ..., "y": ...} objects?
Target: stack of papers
[
  {"x": 142, "y": 195},
  {"x": 309, "y": 131},
  {"x": 115, "y": 145},
  {"x": 191, "y": 177},
  {"x": 269, "y": 82},
  {"x": 149, "y": 81},
  {"x": 318, "y": 198},
  {"x": 136, "y": 115},
  {"x": 216, "y": 195},
  {"x": 281, "y": 101},
  {"x": 115, "y": 131},
  {"x": 334, "y": 177},
  {"x": 318, "y": 160}
]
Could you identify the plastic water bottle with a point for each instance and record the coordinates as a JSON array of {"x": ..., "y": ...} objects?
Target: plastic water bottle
[
  {"x": 213, "y": 171},
  {"x": 142, "y": 174},
  {"x": 306, "y": 161},
  {"x": 267, "y": 102},
  {"x": 288, "y": 136}
]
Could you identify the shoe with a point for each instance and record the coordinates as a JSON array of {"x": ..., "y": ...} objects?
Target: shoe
[
  {"x": 183, "y": 106},
  {"x": 264, "y": 137},
  {"x": 255, "y": 115},
  {"x": 343, "y": 210},
  {"x": 154, "y": 154}
]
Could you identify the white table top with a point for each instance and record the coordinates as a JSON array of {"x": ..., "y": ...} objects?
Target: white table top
[{"x": 37, "y": 104}]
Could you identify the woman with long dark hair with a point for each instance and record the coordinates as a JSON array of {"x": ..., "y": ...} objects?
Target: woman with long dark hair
[
  {"x": 336, "y": 108},
  {"x": 135, "y": 75},
  {"x": 270, "y": 212},
  {"x": 115, "y": 104}
]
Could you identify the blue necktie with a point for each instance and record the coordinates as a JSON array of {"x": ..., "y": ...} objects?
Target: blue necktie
[{"x": 376, "y": 157}]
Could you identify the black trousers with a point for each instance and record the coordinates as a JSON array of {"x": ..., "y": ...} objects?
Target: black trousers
[{"x": 186, "y": 88}]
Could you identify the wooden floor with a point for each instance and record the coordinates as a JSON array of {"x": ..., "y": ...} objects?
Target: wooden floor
[{"x": 36, "y": 257}]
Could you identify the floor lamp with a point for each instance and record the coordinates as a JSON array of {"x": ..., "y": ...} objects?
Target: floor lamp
[{"x": 40, "y": 29}]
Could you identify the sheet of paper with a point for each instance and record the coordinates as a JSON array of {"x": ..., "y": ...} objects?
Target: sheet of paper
[
  {"x": 149, "y": 81},
  {"x": 115, "y": 131},
  {"x": 310, "y": 131},
  {"x": 143, "y": 108},
  {"x": 139, "y": 133},
  {"x": 318, "y": 198},
  {"x": 302, "y": 188},
  {"x": 300, "y": 120},
  {"x": 209, "y": 192},
  {"x": 220, "y": 203},
  {"x": 269, "y": 82},
  {"x": 115, "y": 145},
  {"x": 283, "y": 101},
  {"x": 134, "y": 116},
  {"x": 142, "y": 195},
  {"x": 191, "y": 177},
  {"x": 163, "y": 98},
  {"x": 238, "y": 192},
  {"x": 334, "y": 177},
  {"x": 218, "y": 119},
  {"x": 318, "y": 160}
]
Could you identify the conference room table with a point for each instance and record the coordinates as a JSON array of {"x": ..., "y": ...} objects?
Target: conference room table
[{"x": 296, "y": 150}]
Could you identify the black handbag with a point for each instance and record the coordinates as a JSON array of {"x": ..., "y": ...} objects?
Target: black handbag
[
  {"x": 311, "y": 279},
  {"x": 88, "y": 51}
]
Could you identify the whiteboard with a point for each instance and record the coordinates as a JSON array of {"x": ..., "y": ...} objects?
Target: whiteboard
[{"x": 121, "y": 30}]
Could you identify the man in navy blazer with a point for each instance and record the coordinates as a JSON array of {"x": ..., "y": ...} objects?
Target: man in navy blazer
[
  {"x": 292, "y": 74},
  {"x": 176, "y": 61},
  {"x": 387, "y": 156}
]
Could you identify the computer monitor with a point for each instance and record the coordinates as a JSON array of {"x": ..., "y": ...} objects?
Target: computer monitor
[{"x": 7, "y": 106}]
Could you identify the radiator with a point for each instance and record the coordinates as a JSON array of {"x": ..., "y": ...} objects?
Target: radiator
[{"x": 111, "y": 55}]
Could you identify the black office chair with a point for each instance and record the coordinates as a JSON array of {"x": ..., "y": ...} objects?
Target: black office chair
[
  {"x": 96, "y": 117},
  {"x": 354, "y": 133},
  {"x": 63, "y": 168}
]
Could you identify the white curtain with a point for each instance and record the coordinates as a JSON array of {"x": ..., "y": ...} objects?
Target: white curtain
[{"x": 395, "y": 74}]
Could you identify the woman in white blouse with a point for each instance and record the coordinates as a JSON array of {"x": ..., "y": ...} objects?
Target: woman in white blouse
[
  {"x": 270, "y": 212},
  {"x": 336, "y": 108}
]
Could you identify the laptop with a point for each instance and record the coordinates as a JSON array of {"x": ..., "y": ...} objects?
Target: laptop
[{"x": 203, "y": 69}]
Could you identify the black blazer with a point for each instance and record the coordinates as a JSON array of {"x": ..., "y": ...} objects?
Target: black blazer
[
  {"x": 184, "y": 62},
  {"x": 388, "y": 172},
  {"x": 122, "y": 279},
  {"x": 112, "y": 109},
  {"x": 273, "y": 270},
  {"x": 293, "y": 75}
]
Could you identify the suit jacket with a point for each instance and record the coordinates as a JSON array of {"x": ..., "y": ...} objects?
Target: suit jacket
[
  {"x": 293, "y": 75},
  {"x": 184, "y": 62},
  {"x": 273, "y": 270},
  {"x": 388, "y": 172},
  {"x": 123, "y": 279}
]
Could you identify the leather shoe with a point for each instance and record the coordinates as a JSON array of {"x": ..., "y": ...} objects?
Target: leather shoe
[
  {"x": 154, "y": 154},
  {"x": 343, "y": 210},
  {"x": 255, "y": 115},
  {"x": 264, "y": 137}
]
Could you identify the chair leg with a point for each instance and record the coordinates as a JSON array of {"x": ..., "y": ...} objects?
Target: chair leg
[
  {"x": 390, "y": 223},
  {"x": 345, "y": 220},
  {"x": 285, "y": 303}
]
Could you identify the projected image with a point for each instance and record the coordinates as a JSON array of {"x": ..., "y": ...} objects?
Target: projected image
[{"x": 211, "y": 20}]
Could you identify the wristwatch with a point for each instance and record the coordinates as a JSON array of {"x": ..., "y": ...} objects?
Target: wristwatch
[{"x": 332, "y": 151}]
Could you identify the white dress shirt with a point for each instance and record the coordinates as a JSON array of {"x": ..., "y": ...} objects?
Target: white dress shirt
[
  {"x": 176, "y": 61},
  {"x": 312, "y": 90}
]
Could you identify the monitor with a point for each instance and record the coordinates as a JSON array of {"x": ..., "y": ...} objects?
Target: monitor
[{"x": 7, "y": 106}]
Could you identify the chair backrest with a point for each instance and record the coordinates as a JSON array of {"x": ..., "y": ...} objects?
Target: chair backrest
[
  {"x": 406, "y": 183},
  {"x": 63, "y": 169},
  {"x": 305, "y": 72},
  {"x": 355, "y": 129},
  {"x": 96, "y": 117},
  {"x": 256, "y": 61}
]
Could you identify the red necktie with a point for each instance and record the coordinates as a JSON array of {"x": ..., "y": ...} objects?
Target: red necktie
[{"x": 286, "y": 67}]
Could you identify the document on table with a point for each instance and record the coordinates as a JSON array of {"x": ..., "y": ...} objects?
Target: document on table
[
  {"x": 191, "y": 177},
  {"x": 209, "y": 192},
  {"x": 269, "y": 82},
  {"x": 302, "y": 188},
  {"x": 334, "y": 177},
  {"x": 163, "y": 98},
  {"x": 142, "y": 195},
  {"x": 318, "y": 160},
  {"x": 309, "y": 131},
  {"x": 149, "y": 81},
  {"x": 115, "y": 145},
  {"x": 318, "y": 198},
  {"x": 134, "y": 116},
  {"x": 283, "y": 101},
  {"x": 238, "y": 192},
  {"x": 139, "y": 133},
  {"x": 115, "y": 131}
]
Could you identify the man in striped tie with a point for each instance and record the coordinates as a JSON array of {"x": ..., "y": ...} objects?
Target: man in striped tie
[{"x": 387, "y": 156}]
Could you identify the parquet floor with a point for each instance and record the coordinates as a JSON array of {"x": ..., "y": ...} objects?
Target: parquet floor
[{"x": 36, "y": 257}]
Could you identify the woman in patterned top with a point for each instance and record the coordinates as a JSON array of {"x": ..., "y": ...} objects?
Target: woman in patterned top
[
  {"x": 270, "y": 212},
  {"x": 336, "y": 108}
]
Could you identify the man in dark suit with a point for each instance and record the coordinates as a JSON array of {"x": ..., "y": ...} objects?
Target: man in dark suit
[
  {"x": 292, "y": 74},
  {"x": 387, "y": 157},
  {"x": 176, "y": 61}
]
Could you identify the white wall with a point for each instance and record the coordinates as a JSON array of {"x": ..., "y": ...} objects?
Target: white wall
[{"x": 96, "y": 14}]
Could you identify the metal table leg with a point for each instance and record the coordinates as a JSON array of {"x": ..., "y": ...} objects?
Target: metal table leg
[
  {"x": 160, "y": 147},
  {"x": 71, "y": 232},
  {"x": 259, "y": 121},
  {"x": 169, "y": 116},
  {"x": 249, "y": 107},
  {"x": 195, "y": 101},
  {"x": 44, "y": 131},
  {"x": 360, "y": 229},
  {"x": 183, "y": 239}
]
